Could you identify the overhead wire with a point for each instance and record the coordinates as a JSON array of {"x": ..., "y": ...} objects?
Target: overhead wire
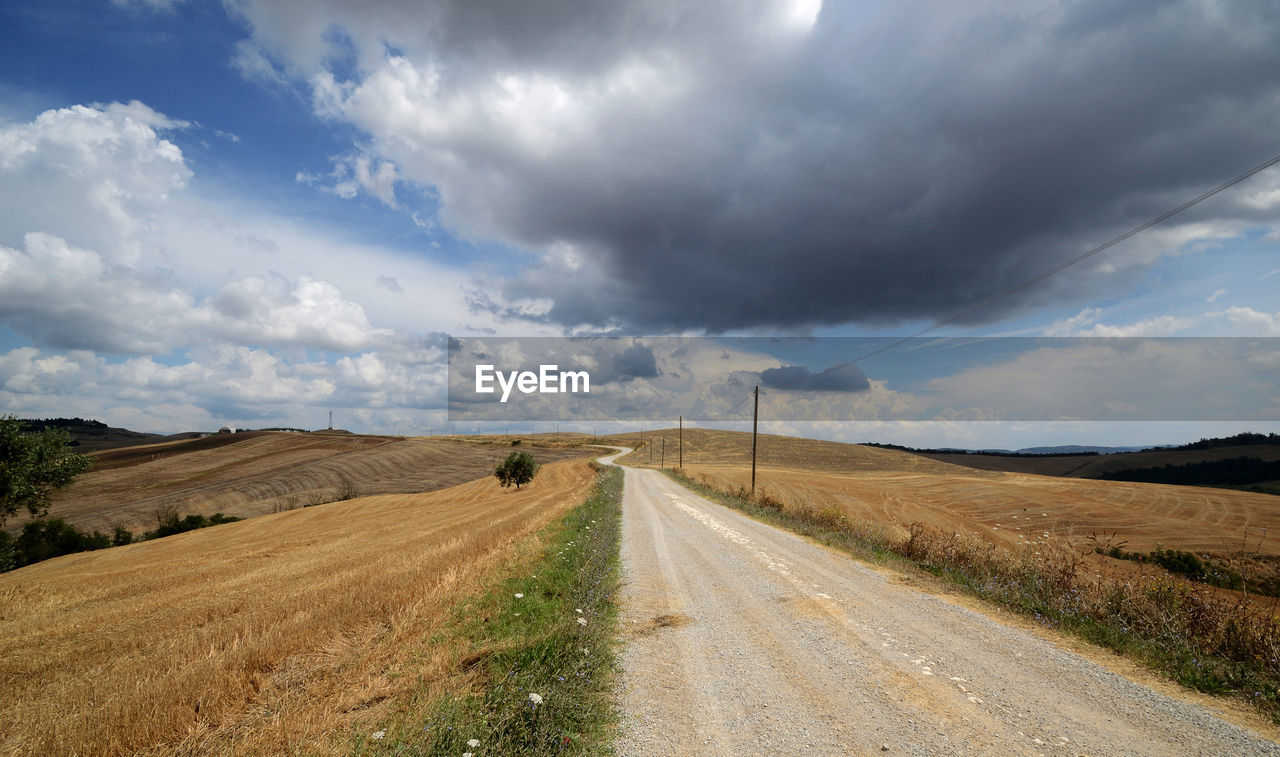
[{"x": 1064, "y": 266}]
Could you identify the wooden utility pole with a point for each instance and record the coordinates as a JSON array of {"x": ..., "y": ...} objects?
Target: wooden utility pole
[
  {"x": 662, "y": 461},
  {"x": 682, "y": 442},
  {"x": 755, "y": 423}
]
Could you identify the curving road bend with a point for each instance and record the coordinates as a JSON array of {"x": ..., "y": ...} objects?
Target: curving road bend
[{"x": 745, "y": 640}]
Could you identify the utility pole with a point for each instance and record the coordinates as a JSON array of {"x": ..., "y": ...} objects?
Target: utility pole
[
  {"x": 682, "y": 442},
  {"x": 755, "y": 422},
  {"x": 330, "y": 420},
  {"x": 663, "y": 460}
]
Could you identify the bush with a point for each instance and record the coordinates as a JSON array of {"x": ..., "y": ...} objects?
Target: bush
[
  {"x": 170, "y": 524},
  {"x": 45, "y": 539}
]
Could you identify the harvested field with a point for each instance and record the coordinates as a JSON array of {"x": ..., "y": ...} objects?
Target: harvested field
[
  {"x": 708, "y": 447},
  {"x": 1016, "y": 509},
  {"x": 278, "y": 635},
  {"x": 898, "y": 488},
  {"x": 264, "y": 472}
]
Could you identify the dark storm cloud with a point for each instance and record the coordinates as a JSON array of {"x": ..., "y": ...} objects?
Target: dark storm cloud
[
  {"x": 845, "y": 378},
  {"x": 898, "y": 161}
]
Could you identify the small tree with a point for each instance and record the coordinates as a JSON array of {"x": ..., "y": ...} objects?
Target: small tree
[
  {"x": 519, "y": 468},
  {"x": 34, "y": 464}
]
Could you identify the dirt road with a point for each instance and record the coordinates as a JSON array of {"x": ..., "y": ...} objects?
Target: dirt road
[{"x": 745, "y": 640}]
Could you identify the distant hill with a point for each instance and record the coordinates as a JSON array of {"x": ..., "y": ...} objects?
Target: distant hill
[
  {"x": 1076, "y": 449},
  {"x": 1241, "y": 461},
  {"x": 91, "y": 435}
]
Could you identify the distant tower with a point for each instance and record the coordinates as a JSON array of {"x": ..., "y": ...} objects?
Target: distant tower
[{"x": 330, "y": 420}]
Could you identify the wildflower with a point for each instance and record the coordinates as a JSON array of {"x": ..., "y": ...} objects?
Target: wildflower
[
  {"x": 473, "y": 743},
  {"x": 577, "y": 611},
  {"x": 535, "y": 698},
  {"x": 467, "y": 754},
  {"x": 582, "y": 621},
  {"x": 378, "y": 735},
  {"x": 519, "y": 596}
]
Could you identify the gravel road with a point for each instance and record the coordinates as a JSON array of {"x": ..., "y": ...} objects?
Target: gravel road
[{"x": 745, "y": 640}]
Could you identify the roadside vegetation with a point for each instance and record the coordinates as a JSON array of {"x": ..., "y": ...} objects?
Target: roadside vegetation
[
  {"x": 1208, "y": 639},
  {"x": 539, "y": 649}
]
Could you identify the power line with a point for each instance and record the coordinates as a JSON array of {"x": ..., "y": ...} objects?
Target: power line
[{"x": 1059, "y": 269}]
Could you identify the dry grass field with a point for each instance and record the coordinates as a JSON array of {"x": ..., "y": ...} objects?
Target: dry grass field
[
  {"x": 898, "y": 488},
  {"x": 263, "y": 472},
  {"x": 278, "y": 635},
  {"x": 710, "y": 447}
]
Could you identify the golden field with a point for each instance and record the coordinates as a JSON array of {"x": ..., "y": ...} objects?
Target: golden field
[
  {"x": 283, "y": 634},
  {"x": 898, "y": 488},
  {"x": 263, "y": 472}
]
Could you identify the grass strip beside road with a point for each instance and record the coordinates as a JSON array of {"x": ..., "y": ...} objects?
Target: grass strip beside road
[
  {"x": 1202, "y": 638},
  {"x": 540, "y": 647}
]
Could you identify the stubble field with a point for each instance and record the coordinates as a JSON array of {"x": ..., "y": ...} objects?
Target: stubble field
[
  {"x": 279, "y": 635},
  {"x": 252, "y": 474}
]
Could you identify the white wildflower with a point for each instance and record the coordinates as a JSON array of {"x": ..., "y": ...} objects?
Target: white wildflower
[
  {"x": 519, "y": 596},
  {"x": 535, "y": 698},
  {"x": 582, "y": 621},
  {"x": 473, "y": 743},
  {"x": 577, "y": 611},
  {"x": 467, "y": 754},
  {"x": 378, "y": 735}
]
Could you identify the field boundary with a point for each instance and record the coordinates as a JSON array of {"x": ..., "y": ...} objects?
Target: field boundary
[{"x": 541, "y": 649}]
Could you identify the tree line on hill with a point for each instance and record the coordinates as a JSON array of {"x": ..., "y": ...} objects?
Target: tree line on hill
[
  {"x": 1235, "y": 471},
  {"x": 993, "y": 452},
  {"x": 44, "y": 539},
  {"x": 1239, "y": 440}
]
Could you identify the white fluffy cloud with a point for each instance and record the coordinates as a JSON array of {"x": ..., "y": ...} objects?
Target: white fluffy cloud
[
  {"x": 1085, "y": 323},
  {"x": 1248, "y": 320},
  {"x": 71, "y": 298},
  {"x": 245, "y": 385},
  {"x": 138, "y": 292},
  {"x": 95, "y": 176}
]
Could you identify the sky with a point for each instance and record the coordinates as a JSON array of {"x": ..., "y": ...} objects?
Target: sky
[{"x": 252, "y": 213}]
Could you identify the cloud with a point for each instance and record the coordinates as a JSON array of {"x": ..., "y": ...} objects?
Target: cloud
[
  {"x": 844, "y": 378},
  {"x": 249, "y": 385},
  {"x": 1251, "y": 322},
  {"x": 94, "y": 176},
  {"x": 358, "y": 173},
  {"x": 1215, "y": 296},
  {"x": 69, "y": 298},
  {"x": 722, "y": 166},
  {"x": 1118, "y": 379},
  {"x": 1085, "y": 323},
  {"x": 136, "y": 293}
]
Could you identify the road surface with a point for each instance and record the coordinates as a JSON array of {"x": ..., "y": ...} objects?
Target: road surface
[{"x": 745, "y": 640}]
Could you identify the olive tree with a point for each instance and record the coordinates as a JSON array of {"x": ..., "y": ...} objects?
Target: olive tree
[
  {"x": 519, "y": 468},
  {"x": 34, "y": 464}
]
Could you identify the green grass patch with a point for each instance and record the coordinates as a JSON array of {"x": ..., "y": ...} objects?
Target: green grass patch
[{"x": 543, "y": 647}]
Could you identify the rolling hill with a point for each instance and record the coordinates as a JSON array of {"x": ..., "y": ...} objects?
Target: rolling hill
[{"x": 262, "y": 472}]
